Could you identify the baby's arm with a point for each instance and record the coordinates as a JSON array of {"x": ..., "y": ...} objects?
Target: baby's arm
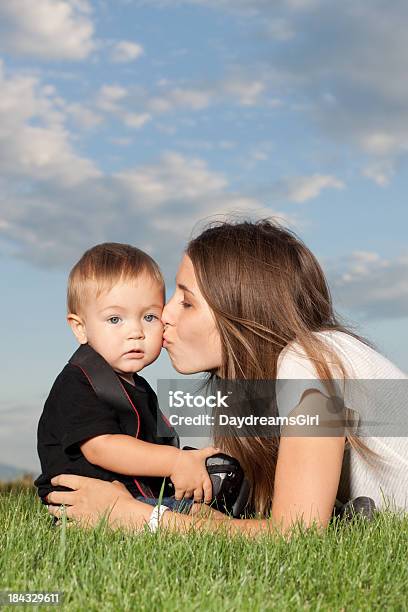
[{"x": 127, "y": 455}]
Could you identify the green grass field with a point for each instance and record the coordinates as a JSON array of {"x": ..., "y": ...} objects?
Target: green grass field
[{"x": 355, "y": 566}]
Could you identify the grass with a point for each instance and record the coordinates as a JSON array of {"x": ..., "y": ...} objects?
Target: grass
[{"x": 355, "y": 566}]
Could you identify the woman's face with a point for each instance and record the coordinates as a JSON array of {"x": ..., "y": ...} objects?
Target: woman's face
[{"x": 190, "y": 335}]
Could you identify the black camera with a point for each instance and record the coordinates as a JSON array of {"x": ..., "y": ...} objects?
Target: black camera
[{"x": 230, "y": 488}]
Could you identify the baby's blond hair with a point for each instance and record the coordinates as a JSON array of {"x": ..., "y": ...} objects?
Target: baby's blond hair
[{"x": 107, "y": 264}]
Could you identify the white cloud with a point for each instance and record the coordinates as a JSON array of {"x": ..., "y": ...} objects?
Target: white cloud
[
  {"x": 135, "y": 107},
  {"x": 108, "y": 97},
  {"x": 126, "y": 51},
  {"x": 379, "y": 143},
  {"x": 364, "y": 46},
  {"x": 83, "y": 116},
  {"x": 259, "y": 153},
  {"x": 47, "y": 29},
  {"x": 174, "y": 179},
  {"x": 43, "y": 153},
  {"x": 135, "y": 121},
  {"x": 346, "y": 70},
  {"x": 372, "y": 286},
  {"x": 381, "y": 172},
  {"x": 178, "y": 98},
  {"x": 252, "y": 8},
  {"x": 304, "y": 188},
  {"x": 34, "y": 141},
  {"x": 245, "y": 91},
  {"x": 181, "y": 191},
  {"x": 193, "y": 99},
  {"x": 237, "y": 89},
  {"x": 361, "y": 263},
  {"x": 155, "y": 204},
  {"x": 116, "y": 100}
]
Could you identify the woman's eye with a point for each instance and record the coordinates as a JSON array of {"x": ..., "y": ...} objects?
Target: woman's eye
[
  {"x": 114, "y": 320},
  {"x": 185, "y": 304},
  {"x": 150, "y": 317}
]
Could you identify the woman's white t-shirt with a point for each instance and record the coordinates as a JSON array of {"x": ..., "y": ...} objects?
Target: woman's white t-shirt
[{"x": 384, "y": 480}]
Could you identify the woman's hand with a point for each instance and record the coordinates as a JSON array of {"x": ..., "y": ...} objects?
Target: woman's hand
[
  {"x": 90, "y": 499},
  {"x": 189, "y": 474}
]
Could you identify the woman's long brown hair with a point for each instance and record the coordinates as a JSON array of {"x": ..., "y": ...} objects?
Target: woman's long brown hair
[{"x": 266, "y": 289}]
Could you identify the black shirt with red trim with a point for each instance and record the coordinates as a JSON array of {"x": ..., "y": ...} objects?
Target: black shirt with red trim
[{"x": 74, "y": 413}]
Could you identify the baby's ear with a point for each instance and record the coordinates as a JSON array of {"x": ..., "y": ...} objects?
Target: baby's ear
[{"x": 78, "y": 327}]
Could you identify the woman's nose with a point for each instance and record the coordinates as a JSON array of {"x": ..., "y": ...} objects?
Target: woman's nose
[{"x": 167, "y": 318}]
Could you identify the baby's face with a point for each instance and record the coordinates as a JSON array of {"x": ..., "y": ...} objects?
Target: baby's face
[{"x": 123, "y": 324}]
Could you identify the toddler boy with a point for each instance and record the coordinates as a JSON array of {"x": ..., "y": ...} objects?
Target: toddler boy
[{"x": 115, "y": 298}]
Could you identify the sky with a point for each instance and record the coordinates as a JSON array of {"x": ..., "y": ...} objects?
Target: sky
[{"x": 138, "y": 121}]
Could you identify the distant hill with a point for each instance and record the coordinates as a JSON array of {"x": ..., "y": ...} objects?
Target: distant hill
[{"x": 10, "y": 472}]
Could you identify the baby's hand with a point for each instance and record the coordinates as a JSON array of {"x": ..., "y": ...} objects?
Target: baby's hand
[{"x": 190, "y": 476}]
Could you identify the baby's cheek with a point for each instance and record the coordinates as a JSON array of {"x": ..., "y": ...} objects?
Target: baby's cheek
[{"x": 158, "y": 339}]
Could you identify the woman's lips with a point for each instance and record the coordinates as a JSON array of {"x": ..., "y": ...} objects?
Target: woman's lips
[{"x": 165, "y": 342}]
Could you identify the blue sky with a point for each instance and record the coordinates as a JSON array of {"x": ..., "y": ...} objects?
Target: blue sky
[{"x": 133, "y": 120}]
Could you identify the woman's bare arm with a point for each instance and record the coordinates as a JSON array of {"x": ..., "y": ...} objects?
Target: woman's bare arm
[
  {"x": 309, "y": 465},
  {"x": 306, "y": 482}
]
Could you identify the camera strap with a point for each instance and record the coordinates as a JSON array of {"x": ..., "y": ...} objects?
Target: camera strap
[{"x": 110, "y": 390}]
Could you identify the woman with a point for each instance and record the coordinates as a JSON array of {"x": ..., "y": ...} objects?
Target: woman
[{"x": 252, "y": 303}]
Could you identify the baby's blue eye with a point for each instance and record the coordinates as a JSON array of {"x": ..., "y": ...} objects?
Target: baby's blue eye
[
  {"x": 150, "y": 317},
  {"x": 114, "y": 320}
]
